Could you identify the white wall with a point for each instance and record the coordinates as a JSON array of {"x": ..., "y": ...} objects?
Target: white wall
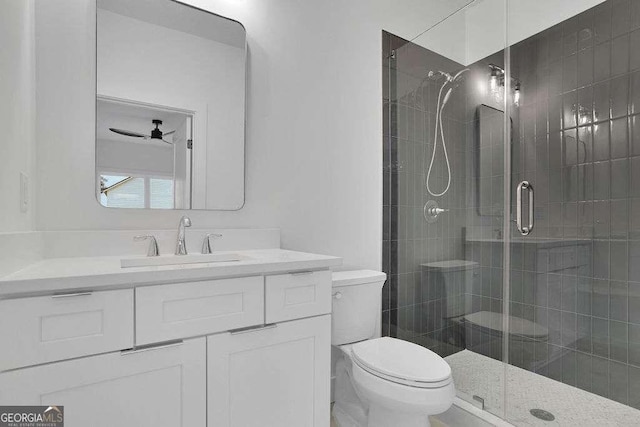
[
  {"x": 484, "y": 26},
  {"x": 314, "y": 159},
  {"x": 527, "y": 17},
  {"x": 488, "y": 20},
  {"x": 134, "y": 158},
  {"x": 17, "y": 110}
]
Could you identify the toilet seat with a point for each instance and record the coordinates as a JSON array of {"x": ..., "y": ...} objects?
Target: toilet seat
[
  {"x": 402, "y": 362},
  {"x": 520, "y": 329}
]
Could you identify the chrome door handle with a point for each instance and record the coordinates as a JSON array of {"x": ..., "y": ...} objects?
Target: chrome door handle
[
  {"x": 150, "y": 348},
  {"x": 72, "y": 295},
  {"x": 524, "y": 229},
  {"x": 301, "y": 273},
  {"x": 253, "y": 329}
]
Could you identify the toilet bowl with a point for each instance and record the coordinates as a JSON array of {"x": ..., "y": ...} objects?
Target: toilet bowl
[{"x": 381, "y": 382}]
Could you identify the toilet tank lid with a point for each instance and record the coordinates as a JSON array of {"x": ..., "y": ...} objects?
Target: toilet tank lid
[
  {"x": 357, "y": 277},
  {"x": 451, "y": 265}
]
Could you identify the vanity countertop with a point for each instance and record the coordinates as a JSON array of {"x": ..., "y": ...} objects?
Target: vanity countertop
[{"x": 93, "y": 273}]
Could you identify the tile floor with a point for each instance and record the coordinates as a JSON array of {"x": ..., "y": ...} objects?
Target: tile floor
[{"x": 479, "y": 375}]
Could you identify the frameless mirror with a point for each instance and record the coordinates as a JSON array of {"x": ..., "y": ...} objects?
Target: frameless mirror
[
  {"x": 490, "y": 166},
  {"x": 170, "y": 107},
  {"x": 490, "y": 161}
]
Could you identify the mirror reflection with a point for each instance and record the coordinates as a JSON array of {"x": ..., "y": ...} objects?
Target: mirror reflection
[
  {"x": 170, "y": 107},
  {"x": 144, "y": 162}
]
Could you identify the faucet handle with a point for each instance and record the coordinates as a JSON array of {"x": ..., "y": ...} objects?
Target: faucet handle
[
  {"x": 153, "y": 244},
  {"x": 206, "y": 244}
]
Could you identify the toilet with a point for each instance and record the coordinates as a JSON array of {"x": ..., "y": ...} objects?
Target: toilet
[
  {"x": 380, "y": 381},
  {"x": 478, "y": 331}
]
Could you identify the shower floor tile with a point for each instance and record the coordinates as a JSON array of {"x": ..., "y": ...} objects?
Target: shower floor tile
[{"x": 482, "y": 376}]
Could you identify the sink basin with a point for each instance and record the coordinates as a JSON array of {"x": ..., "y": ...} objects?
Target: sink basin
[{"x": 177, "y": 260}]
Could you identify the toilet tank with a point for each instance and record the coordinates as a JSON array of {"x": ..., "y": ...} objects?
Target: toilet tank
[{"x": 356, "y": 305}]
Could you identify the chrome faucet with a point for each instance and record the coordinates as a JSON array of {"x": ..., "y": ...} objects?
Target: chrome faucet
[{"x": 181, "y": 246}]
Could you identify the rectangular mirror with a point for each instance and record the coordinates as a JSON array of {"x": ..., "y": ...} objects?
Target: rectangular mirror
[
  {"x": 490, "y": 161},
  {"x": 170, "y": 107}
]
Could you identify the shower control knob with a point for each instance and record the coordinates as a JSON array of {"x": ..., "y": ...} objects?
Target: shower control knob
[
  {"x": 337, "y": 295},
  {"x": 432, "y": 211},
  {"x": 436, "y": 211}
]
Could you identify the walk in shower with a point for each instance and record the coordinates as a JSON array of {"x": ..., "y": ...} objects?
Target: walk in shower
[{"x": 511, "y": 234}]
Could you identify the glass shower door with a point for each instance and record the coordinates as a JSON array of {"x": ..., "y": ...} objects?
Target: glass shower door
[
  {"x": 574, "y": 334},
  {"x": 551, "y": 235},
  {"x": 444, "y": 204}
]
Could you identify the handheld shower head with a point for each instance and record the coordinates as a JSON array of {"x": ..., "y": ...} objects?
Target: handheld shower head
[
  {"x": 437, "y": 74},
  {"x": 446, "y": 97},
  {"x": 453, "y": 82},
  {"x": 448, "y": 77}
]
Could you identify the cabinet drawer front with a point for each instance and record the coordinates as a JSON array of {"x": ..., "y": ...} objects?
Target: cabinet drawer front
[
  {"x": 297, "y": 295},
  {"x": 183, "y": 310},
  {"x": 46, "y": 329}
]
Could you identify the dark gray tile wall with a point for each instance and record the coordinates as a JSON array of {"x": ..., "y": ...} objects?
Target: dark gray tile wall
[
  {"x": 414, "y": 303},
  {"x": 575, "y": 139}
]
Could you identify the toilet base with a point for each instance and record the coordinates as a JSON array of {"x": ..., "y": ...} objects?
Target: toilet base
[
  {"x": 357, "y": 406},
  {"x": 380, "y": 417},
  {"x": 343, "y": 419}
]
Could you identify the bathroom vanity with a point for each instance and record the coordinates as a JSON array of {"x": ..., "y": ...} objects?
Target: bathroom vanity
[{"x": 237, "y": 343}]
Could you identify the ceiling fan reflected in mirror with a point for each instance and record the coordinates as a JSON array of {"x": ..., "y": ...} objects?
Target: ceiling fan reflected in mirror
[{"x": 156, "y": 134}]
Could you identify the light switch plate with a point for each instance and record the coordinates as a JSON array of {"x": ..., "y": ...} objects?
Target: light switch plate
[{"x": 24, "y": 192}]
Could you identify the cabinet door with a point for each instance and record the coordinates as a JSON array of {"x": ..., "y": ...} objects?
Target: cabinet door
[
  {"x": 159, "y": 386},
  {"x": 275, "y": 376}
]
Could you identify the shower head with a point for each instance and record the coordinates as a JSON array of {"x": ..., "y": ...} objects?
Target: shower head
[
  {"x": 436, "y": 74},
  {"x": 447, "y": 76}
]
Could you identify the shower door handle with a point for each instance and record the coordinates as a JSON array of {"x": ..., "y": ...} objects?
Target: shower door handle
[{"x": 526, "y": 229}]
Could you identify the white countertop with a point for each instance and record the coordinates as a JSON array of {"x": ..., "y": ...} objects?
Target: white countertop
[{"x": 69, "y": 274}]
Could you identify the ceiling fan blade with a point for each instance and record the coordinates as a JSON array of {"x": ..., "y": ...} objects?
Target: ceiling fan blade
[
  {"x": 128, "y": 133},
  {"x": 170, "y": 143},
  {"x": 171, "y": 132}
]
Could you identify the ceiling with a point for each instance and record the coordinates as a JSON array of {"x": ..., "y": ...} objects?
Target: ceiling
[{"x": 181, "y": 17}]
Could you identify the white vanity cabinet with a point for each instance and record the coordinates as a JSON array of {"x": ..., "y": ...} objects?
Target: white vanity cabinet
[
  {"x": 163, "y": 386},
  {"x": 242, "y": 350},
  {"x": 277, "y": 375}
]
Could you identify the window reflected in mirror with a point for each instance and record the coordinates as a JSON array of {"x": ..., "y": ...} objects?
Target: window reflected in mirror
[{"x": 144, "y": 156}]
